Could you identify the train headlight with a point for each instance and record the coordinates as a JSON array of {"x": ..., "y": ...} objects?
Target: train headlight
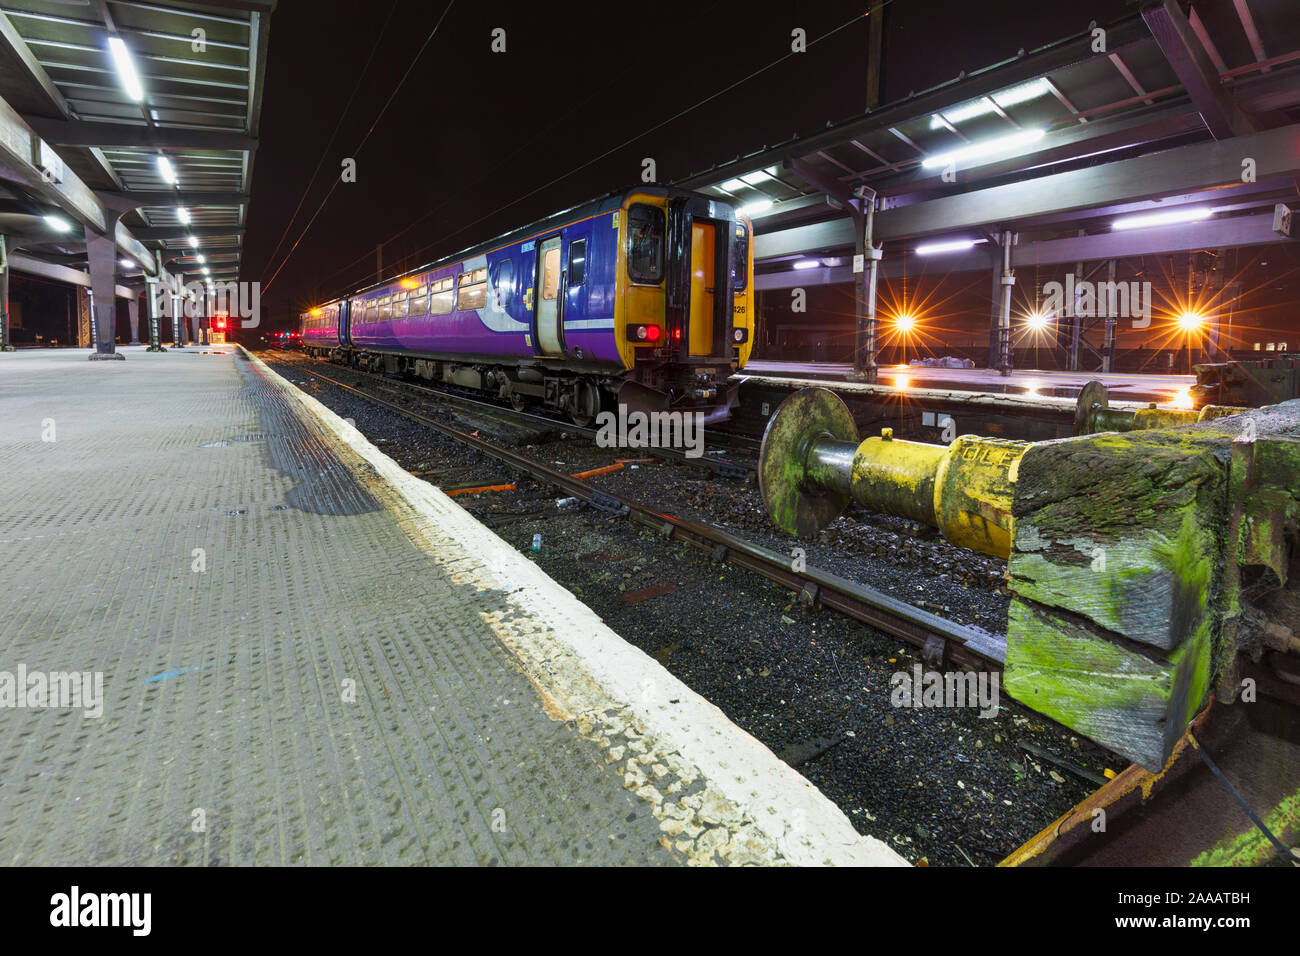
[{"x": 739, "y": 335}]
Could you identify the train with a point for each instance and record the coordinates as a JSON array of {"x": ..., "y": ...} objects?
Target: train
[{"x": 642, "y": 298}]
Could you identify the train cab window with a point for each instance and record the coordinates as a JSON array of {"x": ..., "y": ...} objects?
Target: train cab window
[
  {"x": 399, "y": 304},
  {"x": 645, "y": 244},
  {"x": 385, "y": 308},
  {"x": 577, "y": 261},
  {"x": 739, "y": 257},
  {"x": 504, "y": 283},
  {"x": 441, "y": 296},
  {"x": 419, "y": 301},
  {"x": 472, "y": 291}
]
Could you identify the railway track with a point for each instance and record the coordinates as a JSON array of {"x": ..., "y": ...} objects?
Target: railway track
[
  {"x": 723, "y": 467},
  {"x": 941, "y": 641}
]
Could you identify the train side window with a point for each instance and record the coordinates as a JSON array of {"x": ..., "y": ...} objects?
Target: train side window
[
  {"x": 419, "y": 301},
  {"x": 399, "y": 304},
  {"x": 505, "y": 282},
  {"x": 441, "y": 296},
  {"x": 472, "y": 291},
  {"x": 372, "y": 311},
  {"x": 577, "y": 261},
  {"x": 645, "y": 244},
  {"x": 385, "y": 308},
  {"x": 739, "y": 257}
]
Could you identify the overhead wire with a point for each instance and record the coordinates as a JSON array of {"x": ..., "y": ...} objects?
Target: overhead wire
[
  {"x": 330, "y": 142},
  {"x": 646, "y": 132},
  {"x": 379, "y": 116},
  {"x": 627, "y": 142}
]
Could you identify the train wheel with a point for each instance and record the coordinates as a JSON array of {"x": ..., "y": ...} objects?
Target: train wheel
[{"x": 586, "y": 403}]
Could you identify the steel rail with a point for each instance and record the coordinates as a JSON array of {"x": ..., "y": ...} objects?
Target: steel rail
[
  {"x": 940, "y": 640},
  {"x": 719, "y": 466}
]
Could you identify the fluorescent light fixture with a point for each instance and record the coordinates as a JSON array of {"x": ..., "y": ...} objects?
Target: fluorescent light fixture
[
  {"x": 807, "y": 264},
  {"x": 127, "y": 263},
  {"x": 200, "y": 258},
  {"x": 951, "y": 245},
  {"x": 183, "y": 215},
  {"x": 1169, "y": 217},
  {"x": 125, "y": 69},
  {"x": 749, "y": 209},
  {"x": 1017, "y": 94},
  {"x": 58, "y": 223},
  {"x": 207, "y": 271},
  {"x": 1023, "y": 92},
  {"x": 988, "y": 147},
  {"x": 755, "y": 178},
  {"x": 165, "y": 170},
  {"x": 734, "y": 185},
  {"x": 194, "y": 243}
]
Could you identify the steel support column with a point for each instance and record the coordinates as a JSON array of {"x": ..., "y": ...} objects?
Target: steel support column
[
  {"x": 133, "y": 307},
  {"x": 102, "y": 253},
  {"x": 197, "y": 319},
  {"x": 178, "y": 311},
  {"x": 1007, "y": 280},
  {"x": 1076, "y": 320},
  {"x": 152, "y": 303},
  {"x": 5, "y": 344},
  {"x": 1108, "y": 350},
  {"x": 865, "y": 282}
]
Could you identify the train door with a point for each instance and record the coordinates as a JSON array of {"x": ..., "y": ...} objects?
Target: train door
[
  {"x": 702, "y": 288},
  {"x": 547, "y": 309}
]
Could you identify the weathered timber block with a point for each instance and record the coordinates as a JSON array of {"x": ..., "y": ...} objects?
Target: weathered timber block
[
  {"x": 1129, "y": 560},
  {"x": 1122, "y": 529},
  {"x": 1117, "y": 693}
]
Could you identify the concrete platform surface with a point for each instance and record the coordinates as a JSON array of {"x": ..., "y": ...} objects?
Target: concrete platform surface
[{"x": 309, "y": 656}]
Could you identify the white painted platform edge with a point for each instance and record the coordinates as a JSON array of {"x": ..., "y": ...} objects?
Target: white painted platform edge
[{"x": 795, "y": 815}]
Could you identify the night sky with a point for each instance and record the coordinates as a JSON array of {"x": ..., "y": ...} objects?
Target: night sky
[{"x": 472, "y": 131}]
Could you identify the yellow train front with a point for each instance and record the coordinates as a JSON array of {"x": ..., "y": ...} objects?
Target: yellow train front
[
  {"x": 642, "y": 299},
  {"x": 685, "y": 302}
]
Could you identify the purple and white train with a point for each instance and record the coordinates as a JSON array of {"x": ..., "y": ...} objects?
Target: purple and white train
[{"x": 642, "y": 298}]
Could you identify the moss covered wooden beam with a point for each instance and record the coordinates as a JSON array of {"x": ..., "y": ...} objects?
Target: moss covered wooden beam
[{"x": 1126, "y": 563}]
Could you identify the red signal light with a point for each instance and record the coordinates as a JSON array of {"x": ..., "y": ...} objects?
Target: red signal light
[{"x": 219, "y": 323}]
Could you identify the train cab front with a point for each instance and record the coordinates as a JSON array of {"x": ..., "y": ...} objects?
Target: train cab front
[{"x": 695, "y": 329}]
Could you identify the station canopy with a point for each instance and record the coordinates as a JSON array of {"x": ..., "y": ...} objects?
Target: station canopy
[
  {"x": 166, "y": 170},
  {"x": 1191, "y": 115}
]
